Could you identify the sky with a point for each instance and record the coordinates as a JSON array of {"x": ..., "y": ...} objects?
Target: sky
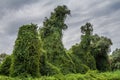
[{"x": 104, "y": 15}]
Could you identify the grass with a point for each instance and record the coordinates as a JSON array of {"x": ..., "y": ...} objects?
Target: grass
[{"x": 91, "y": 75}]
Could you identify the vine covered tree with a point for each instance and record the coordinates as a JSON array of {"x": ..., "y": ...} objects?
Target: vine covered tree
[
  {"x": 115, "y": 60},
  {"x": 100, "y": 49},
  {"x": 40, "y": 52},
  {"x": 51, "y": 35},
  {"x": 84, "y": 47},
  {"x": 25, "y": 57},
  {"x": 86, "y": 31}
]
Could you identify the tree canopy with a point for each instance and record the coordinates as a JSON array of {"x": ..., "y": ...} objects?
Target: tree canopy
[{"x": 40, "y": 51}]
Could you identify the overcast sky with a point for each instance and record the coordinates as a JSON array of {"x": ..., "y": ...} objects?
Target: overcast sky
[{"x": 103, "y": 14}]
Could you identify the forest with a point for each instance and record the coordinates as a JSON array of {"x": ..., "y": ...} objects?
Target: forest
[{"x": 39, "y": 53}]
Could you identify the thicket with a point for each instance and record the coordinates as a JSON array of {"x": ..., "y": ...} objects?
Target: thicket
[
  {"x": 91, "y": 75},
  {"x": 40, "y": 52}
]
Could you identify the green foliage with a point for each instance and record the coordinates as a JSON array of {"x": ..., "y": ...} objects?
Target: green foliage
[
  {"x": 43, "y": 66},
  {"x": 87, "y": 29},
  {"x": 5, "y": 66},
  {"x": 2, "y": 57},
  {"x": 52, "y": 69},
  {"x": 91, "y": 75},
  {"x": 82, "y": 50},
  {"x": 115, "y": 61},
  {"x": 85, "y": 45},
  {"x": 25, "y": 61},
  {"x": 77, "y": 65},
  {"x": 100, "y": 48},
  {"x": 47, "y": 68},
  {"x": 51, "y": 35},
  {"x": 43, "y": 53},
  {"x": 83, "y": 57},
  {"x": 93, "y": 50}
]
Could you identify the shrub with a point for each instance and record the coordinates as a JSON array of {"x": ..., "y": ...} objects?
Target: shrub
[{"x": 5, "y": 66}]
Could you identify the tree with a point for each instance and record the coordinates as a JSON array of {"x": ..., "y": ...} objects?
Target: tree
[
  {"x": 93, "y": 50},
  {"x": 51, "y": 35},
  {"x": 100, "y": 49},
  {"x": 86, "y": 31},
  {"x": 83, "y": 50},
  {"x": 115, "y": 61},
  {"x": 26, "y": 53}
]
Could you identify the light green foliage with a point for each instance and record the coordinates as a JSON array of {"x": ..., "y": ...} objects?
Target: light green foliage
[
  {"x": 5, "y": 66},
  {"x": 115, "y": 60},
  {"x": 25, "y": 60},
  {"x": 91, "y": 75}
]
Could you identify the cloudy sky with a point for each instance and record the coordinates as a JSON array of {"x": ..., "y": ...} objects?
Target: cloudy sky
[{"x": 103, "y": 14}]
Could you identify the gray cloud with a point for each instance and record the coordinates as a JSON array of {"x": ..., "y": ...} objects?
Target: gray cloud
[
  {"x": 103, "y": 14},
  {"x": 6, "y": 5},
  {"x": 15, "y": 4}
]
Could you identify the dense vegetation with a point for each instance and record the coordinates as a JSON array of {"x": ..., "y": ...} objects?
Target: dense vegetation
[
  {"x": 91, "y": 75},
  {"x": 115, "y": 60},
  {"x": 41, "y": 53}
]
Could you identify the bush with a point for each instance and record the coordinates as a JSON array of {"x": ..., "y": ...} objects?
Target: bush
[{"x": 5, "y": 66}]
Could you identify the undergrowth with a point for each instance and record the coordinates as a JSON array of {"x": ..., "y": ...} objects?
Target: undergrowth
[{"x": 90, "y": 75}]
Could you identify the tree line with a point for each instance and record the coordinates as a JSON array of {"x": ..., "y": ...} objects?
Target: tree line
[{"x": 40, "y": 52}]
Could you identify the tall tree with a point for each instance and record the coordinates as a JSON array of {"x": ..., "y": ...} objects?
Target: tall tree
[
  {"x": 86, "y": 31},
  {"x": 100, "y": 49},
  {"x": 51, "y": 35},
  {"x": 85, "y": 44},
  {"x": 25, "y": 60}
]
